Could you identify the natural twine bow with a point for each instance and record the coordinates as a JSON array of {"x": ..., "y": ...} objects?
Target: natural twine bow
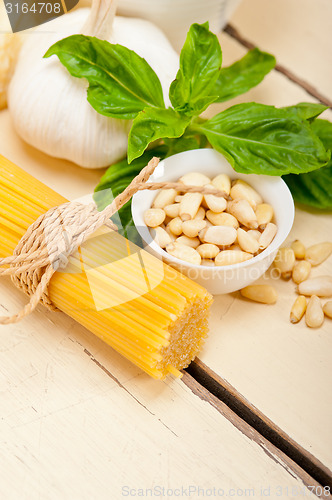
[{"x": 36, "y": 257}]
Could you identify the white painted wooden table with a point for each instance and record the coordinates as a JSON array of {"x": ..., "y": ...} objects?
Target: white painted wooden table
[{"x": 79, "y": 422}]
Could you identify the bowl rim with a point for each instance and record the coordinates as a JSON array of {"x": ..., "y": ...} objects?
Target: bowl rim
[{"x": 139, "y": 221}]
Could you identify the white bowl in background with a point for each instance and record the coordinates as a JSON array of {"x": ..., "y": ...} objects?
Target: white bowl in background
[
  {"x": 175, "y": 17},
  {"x": 218, "y": 279}
]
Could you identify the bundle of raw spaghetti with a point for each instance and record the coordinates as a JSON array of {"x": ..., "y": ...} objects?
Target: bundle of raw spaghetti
[{"x": 147, "y": 311}]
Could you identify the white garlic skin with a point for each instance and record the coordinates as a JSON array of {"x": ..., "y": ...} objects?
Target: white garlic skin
[{"x": 49, "y": 107}]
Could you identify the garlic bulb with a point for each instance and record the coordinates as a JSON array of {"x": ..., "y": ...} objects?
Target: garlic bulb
[{"x": 49, "y": 107}]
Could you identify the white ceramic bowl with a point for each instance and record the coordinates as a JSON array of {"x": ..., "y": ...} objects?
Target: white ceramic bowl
[
  {"x": 175, "y": 17},
  {"x": 224, "y": 279}
]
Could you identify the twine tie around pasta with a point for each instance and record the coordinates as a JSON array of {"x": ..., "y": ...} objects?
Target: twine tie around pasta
[{"x": 57, "y": 234}]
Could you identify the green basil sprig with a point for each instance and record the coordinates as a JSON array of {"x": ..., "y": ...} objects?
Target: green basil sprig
[
  {"x": 255, "y": 138},
  {"x": 315, "y": 188}
]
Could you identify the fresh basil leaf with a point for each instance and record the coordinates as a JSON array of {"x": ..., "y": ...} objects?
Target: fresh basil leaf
[
  {"x": 200, "y": 62},
  {"x": 115, "y": 180},
  {"x": 260, "y": 139},
  {"x": 152, "y": 124},
  {"x": 121, "y": 83},
  {"x": 184, "y": 143},
  {"x": 315, "y": 188},
  {"x": 243, "y": 75},
  {"x": 307, "y": 110}
]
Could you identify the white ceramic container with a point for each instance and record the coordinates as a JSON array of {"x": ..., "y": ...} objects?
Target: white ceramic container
[
  {"x": 223, "y": 279},
  {"x": 175, "y": 17}
]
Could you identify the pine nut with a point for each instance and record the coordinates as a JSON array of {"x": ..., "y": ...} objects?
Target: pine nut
[
  {"x": 170, "y": 234},
  {"x": 222, "y": 182},
  {"x": 176, "y": 226},
  {"x": 184, "y": 252},
  {"x": 190, "y": 242},
  {"x": 178, "y": 198},
  {"x": 255, "y": 233},
  {"x": 316, "y": 254},
  {"x": 189, "y": 205},
  {"x": 247, "y": 242},
  {"x": 301, "y": 271},
  {"x": 215, "y": 203},
  {"x": 321, "y": 286},
  {"x": 243, "y": 212},
  {"x": 195, "y": 179},
  {"x": 161, "y": 237},
  {"x": 264, "y": 213},
  {"x": 314, "y": 316},
  {"x": 222, "y": 219},
  {"x": 208, "y": 262},
  {"x": 327, "y": 308},
  {"x": 208, "y": 250},
  {"x": 298, "y": 309},
  {"x": 299, "y": 249},
  {"x": 228, "y": 257},
  {"x": 267, "y": 235},
  {"x": 284, "y": 262},
  {"x": 241, "y": 190},
  {"x": 200, "y": 214},
  {"x": 153, "y": 217},
  {"x": 266, "y": 294},
  {"x": 164, "y": 197},
  {"x": 192, "y": 227},
  {"x": 172, "y": 210},
  {"x": 219, "y": 235}
]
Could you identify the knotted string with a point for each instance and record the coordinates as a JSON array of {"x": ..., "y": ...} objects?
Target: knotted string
[{"x": 57, "y": 234}]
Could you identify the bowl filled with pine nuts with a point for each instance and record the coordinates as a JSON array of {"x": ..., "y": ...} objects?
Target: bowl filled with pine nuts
[{"x": 219, "y": 227}]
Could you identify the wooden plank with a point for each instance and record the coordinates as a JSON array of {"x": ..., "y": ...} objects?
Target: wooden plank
[
  {"x": 75, "y": 427},
  {"x": 296, "y": 32}
]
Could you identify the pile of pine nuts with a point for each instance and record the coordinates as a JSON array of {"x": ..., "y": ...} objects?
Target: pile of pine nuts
[
  {"x": 296, "y": 262},
  {"x": 210, "y": 230}
]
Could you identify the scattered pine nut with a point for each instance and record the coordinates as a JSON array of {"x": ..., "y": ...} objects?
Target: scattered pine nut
[
  {"x": 189, "y": 205},
  {"x": 215, "y": 203},
  {"x": 200, "y": 214},
  {"x": 246, "y": 241},
  {"x": 267, "y": 235},
  {"x": 301, "y": 271},
  {"x": 255, "y": 233},
  {"x": 222, "y": 182},
  {"x": 192, "y": 227},
  {"x": 298, "y": 309},
  {"x": 161, "y": 237},
  {"x": 172, "y": 210},
  {"x": 299, "y": 249},
  {"x": 327, "y": 308},
  {"x": 264, "y": 214},
  {"x": 244, "y": 213},
  {"x": 222, "y": 219},
  {"x": 195, "y": 179},
  {"x": 314, "y": 316},
  {"x": 175, "y": 226},
  {"x": 316, "y": 254},
  {"x": 321, "y": 286},
  {"x": 153, "y": 217},
  {"x": 266, "y": 294},
  {"x": 241, "y": 190},
  {"x": 229, "y": 257},
  {"x": 208, "y": 250},
  {"x": 190, "y": 242},
  {"x": 219, "y": 235},
  {"x": 164, "y": 197},
  {"x": 184, "y": 252},
  {"x": 284, "y": 262}
]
